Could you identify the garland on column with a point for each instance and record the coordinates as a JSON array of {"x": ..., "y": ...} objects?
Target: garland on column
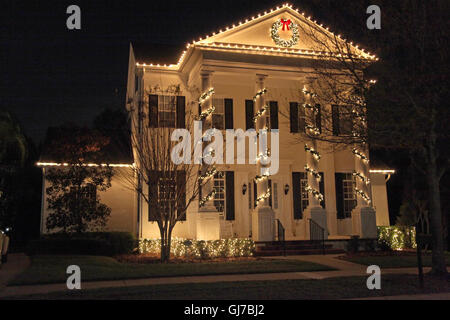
[
  {"x": 261, "y": 155},
  {"x": 210, "y": 173},
  {"x": 312, "y": 128},
  {"x": 361, "y": 176}
]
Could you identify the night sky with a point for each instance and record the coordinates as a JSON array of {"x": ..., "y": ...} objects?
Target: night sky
[{"x": 51, "y": 75}]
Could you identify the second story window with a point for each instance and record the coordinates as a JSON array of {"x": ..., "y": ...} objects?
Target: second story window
[
  {"x": 218, "y": 116},
  {"x": 166, "y": 111},
  {"x": 342, "y": 120}
]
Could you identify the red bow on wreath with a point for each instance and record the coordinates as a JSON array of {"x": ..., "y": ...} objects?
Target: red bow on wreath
[{"x": 285, "y": 23}]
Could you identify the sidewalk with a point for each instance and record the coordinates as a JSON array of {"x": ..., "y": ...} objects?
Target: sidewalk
[{"x": 345, "y": 269}]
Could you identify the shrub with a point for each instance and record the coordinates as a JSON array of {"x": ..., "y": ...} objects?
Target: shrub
[
  {"x": 202, "y": 249},
  {"x": 353, "y": 244},
  {"x": 397, "y": 237},
  {"x": 89, "y": 243}
]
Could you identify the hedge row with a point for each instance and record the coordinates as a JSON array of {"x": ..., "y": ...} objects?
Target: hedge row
[
  {"x": 397, "y": 237},
  {"x": 235, "y": 247},
  {"x": 89, "y": 243}
]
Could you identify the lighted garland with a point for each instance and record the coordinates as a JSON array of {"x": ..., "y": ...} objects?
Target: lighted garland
[
  {"x": 363, "y": 195},
  {"x": 260, "y": 113},
  {"x": 363, "y": 178},
  {"x": 313, "y": 129},
  {"x": 206, "y": 95},
  {"x": 309, "y": 93},
  {"x": 264, "y": 196},
  {"x": 310, "y": 106},
  {"x": 208, "y": 174},
  {"x": 315, "y": 154},
  {"x": 259, "y": 94},
  {"x": 359, "y": 154},
  {"x": 313, "y": 172},
  {"x": 276, "y": 36},
  {"x": 209, "y": 197},
  {"x": 315, "y": 193},
  {"x": 206, "y": 113},
  {"x": 259, "y": 178}
]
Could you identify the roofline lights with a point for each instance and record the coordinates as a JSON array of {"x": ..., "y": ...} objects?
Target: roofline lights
[
  {"x": 385, "y": 171},
  {"x": 65, "y": 164},
  {"x": 368, "y": 56}
]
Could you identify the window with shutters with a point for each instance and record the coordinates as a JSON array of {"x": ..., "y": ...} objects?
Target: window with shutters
[
  {"x": 342, "y": 120},
  {"x": 166, "y": 111},
  {"x": 87, "y": 193},
  {"x": 348, "y": 193},
  {"x": 301, "y": 118},
  {"x": 304, "y": 193},
  {"x": 218, "y": 116}
]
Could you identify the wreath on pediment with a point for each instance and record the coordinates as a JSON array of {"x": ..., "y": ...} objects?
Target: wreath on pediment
[{"x": 285, "y": 25}]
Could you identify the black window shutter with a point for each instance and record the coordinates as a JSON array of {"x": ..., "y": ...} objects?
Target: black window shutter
[
  {"x": 296, "y": 195},
  {"x": 338, "y": 177},
  {"x": 270, "y": 188},
  {"x": 199, "y": 189},
  {"x": 293, "y": 115},
  {"x": 319, "y": 117},
  {"x": 335, "y": 119},
  {"x": 152, "y": 196},
  {"x": 181, "y": 193},
  {"x": 229, "y": 180},
  {"x": 181, "y": 113},
  {"x": 153, "y": 111},
  {"x": 199, "y": 109},
  {"x": 273, "y": 115},
  {"x": 249, "y": 113},
  {"x": 229, "y": 114},
  {"x": 322, "y": 188},
  {"x": 255, "y": 193}
]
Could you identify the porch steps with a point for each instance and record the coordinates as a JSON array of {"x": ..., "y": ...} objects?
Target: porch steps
[{"x": 293, "y": 247}]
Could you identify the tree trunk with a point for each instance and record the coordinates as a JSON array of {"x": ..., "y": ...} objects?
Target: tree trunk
[
  {"x": 438, "y": 258},
  {"x": 165, "y": 244}
]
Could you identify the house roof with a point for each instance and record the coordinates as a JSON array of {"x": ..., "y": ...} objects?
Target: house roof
[
  {"x": 251, "y": 36},
  {"x": 117, "y": 152},
  {"x": 157, "y": 52}
]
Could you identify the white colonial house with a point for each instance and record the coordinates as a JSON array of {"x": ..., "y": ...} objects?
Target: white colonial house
[{"x": 257, "y": 62}]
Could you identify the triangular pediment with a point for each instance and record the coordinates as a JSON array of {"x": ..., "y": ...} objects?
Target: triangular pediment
[{"x": 257, "y": 32}]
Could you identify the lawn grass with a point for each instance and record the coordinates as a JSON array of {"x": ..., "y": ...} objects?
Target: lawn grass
[
  {"x": 52, "y": 268},
  {"x": 332, "y": 288},
  {"x": 393, "y": 261}
]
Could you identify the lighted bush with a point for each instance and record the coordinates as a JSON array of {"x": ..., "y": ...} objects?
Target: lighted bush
[
  {"x": 397, "y": 237},
  {"x": 236, "y": 247}
]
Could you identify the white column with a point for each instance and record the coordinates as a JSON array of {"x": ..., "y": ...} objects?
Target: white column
[{"x": 263, "y": 223}]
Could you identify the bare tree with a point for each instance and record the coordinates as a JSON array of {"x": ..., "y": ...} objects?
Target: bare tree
[
  {"x": 166, "y": 186},
  {"x": 407, "y": 107}
]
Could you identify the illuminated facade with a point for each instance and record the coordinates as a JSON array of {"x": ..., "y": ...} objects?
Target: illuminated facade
[{"x": 257, "y": 62}]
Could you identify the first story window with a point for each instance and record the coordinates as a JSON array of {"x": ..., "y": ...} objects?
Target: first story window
[
  {"x": 345, "y": 194},
  {"x": 300, "y": 193},
  {"x": 167, "y": 195},
  {"x": 223, "y": 185}
]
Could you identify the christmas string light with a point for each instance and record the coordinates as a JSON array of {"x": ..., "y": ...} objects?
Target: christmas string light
[
  {"x": 207, "y": 198},
  {"x": 359, "y": 154},
  {"x": 259, "y": 178},
  {"x": 314, "y": 130},
  {"x": 260, "y": 113},
  {"x": 362, "y": 177},
  {"x": 363, "y": 195},
  {"x": 263, "y": 197},
  {"x": 315, "y": 107},
  {"x": 208, "y": 174},
  {"x": 314, "y": 192},
  {"x": 313, "y": 152},
  {"x": 259, "y": 93},
  {"x": 206, "y": 113},
  {"x": 313, "y": 172},
  {"x": 206, "y": 95},
  {"x": 309, "y": 93}
]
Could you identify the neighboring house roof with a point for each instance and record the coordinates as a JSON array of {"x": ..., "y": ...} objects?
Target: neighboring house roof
[{"x": 114, "y": 153}]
